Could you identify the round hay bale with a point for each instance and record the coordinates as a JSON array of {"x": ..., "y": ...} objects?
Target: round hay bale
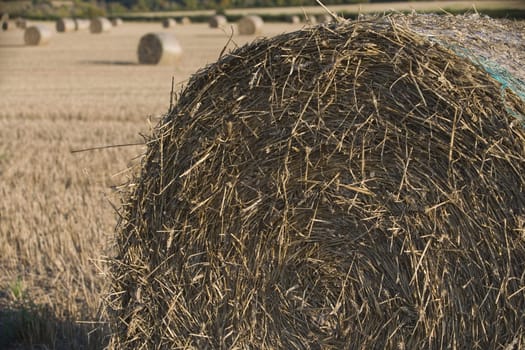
[
  {"x": 64, "y": 25},
  {"x": 116, "y": 22},
  {"x": 82, "y": 24},
  {"x": 356, "y": 185},
  {"x": 8, "y": 25},
  {"x": 37, "y": 35},
  {"x": 100, "y": 25},
  {"x": 217, "y": 21},
  {"x": 185, "y": 20},
  {"x": 4, "y": 17},
  {"x": 294, "y": 19},
  {"x": 21, "y": 23},
  {"x": 311, "y": 19},
  {"x": 250, "y": 25},
  {"x": 159, "y": 48},
  {"x": 324, "y": 18},
  {"x": 169, "y": 23}
]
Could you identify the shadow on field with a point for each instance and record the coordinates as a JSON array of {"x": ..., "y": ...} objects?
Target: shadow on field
[
  {"x": 37, "y": 327},
  {"x": 110, "y": 63}
]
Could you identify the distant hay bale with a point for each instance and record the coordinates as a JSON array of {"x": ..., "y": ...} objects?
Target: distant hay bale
[
  {"x": 8, "y": 25},
  {"x": 100, "y": 25},
  {"x": 82, "y": 24},
  {"x": 64, "y": 25},
  {"x": 324, "y": 18},
  {"x": 311, "y": 19},
  {"x": 185, "y": 20},
  {"x": 37, "y": 35},
  {"x": 250, "y": 25},
  {"x": 159, "y": 48},
  {"x": 217, "y": 21},
  {"x": 116, "y": 22},
  {"x": 294, "y": 19},
  {"x": 169, "y": 23},
  {"x": 21, "y": 23},
  {"x": 357, "y": 185}
]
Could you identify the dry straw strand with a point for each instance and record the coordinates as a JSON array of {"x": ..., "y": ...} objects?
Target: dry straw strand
[
  {"x": 37, "y": 35},
  {"x": 353, "y": 185}
]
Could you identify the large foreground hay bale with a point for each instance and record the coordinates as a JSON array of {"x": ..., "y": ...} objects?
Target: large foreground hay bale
[
  {"x": 159, "y": 48},
  {"x": 347, "y": 186},
  {"x": 37, "y": 35},
  {"x": 250, "y": 25},
  {"x": 100, "y": 25},
  {"x": 64, "y": 25},
  {"x": 217, "y": 21},
  {"x": 169, "y": 23}
]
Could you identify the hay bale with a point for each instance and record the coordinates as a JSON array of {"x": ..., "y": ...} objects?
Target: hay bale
[
  {"x": 324, "y": 18},
  {"x": 250, "y": 25},
  {"x": 185, "y": 20},
  {"x": 100, "y": 25},
  {"x": 4, "y": 17},
  {"x": 82, "y": 24},
  {"x": 8, "y": 25},
  {"x": 116, "y": 22},
  {"x": 21, "y": 23},
  {"x": 217, "y": 21},
  {"x": 64, "y": 25},
  {"x": 169, "y": 23},
  {"x": 159, "y": 48},
  {"x": 37, "y": 35},
  {"x": 294, "y": 19},
  {"x": 353, "y": 185}
]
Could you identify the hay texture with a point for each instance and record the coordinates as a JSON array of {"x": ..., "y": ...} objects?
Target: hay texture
[
  {"x": 82, "y": 24},
  {"x": 356, "y": 185},
  {"x": 100, "y": 25},
  {"x": 250, "y": 25},
  {"x": 217, "y": 21},
  {"x": 37, "y": 35},
  {"x": 159, "y": 48},
  {"x": 64, "y": 25},
  {"x": 169, "y": 23}
]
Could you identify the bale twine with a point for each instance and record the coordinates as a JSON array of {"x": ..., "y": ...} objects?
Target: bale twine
[
  {"x": 64, "y": 25},
  {"x": 217, "y": 21},
  {"x": 354, "y": 185},
  {"x": 100, "y": 25},
  {"x": 37, "y": 35},
  {"x": 82, "y": 24},
  {"x": 159, "y": 48},
  {"x": 169, "y": 23},
  {"x": 116, "y": 22},
  {"x": 250, "y": 25}
]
